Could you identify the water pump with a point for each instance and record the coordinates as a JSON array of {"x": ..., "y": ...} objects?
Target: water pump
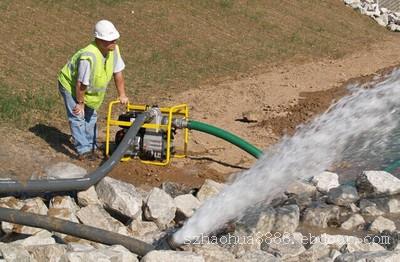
[{"x": 155, "y": 143}]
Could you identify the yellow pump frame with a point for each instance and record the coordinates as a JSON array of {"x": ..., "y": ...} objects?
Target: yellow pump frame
[{"x": 178, "y": 110}]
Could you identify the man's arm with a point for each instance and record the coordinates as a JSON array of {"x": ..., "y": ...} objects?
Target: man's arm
[
  {"x": 120, "y": 84},
  {"x": 80, "y": 98}
]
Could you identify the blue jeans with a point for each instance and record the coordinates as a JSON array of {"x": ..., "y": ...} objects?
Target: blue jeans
[{"x": 83, "y": 128}]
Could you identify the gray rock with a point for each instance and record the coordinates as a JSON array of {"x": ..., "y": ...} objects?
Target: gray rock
[
  {"x": 370, "y": 9},
  {"x": 113, "y": 253},
  {"x": 317, "y": 251},
  {"x": 282, "y": 219},
  {"x": 186, "y": 204},
  {"x": 285, "y": 246},
  {"x": 120, "y": 197},
  {"x": 42, "y": 237},
  {"x": 384, "y": 204},
  {"x": 325, "y": 259},
  {"x": 394, "y": 27},
  {"x": 94, "y": 215},
  {"x": 353, "y": 222},
  {"x": 354, "y": 246},
  {"x": 143, "y": 192},
  {"x": 88, "y": 197},
  {"x": 380, "y": 224},
  {"x": 348, "y": 243},
  {"x": 11, "y": 202},
  {"x": 286, "y": 219},
  {"x": 212, "y": 252},
  {"x": 14, "y": 253},
  {"x": 301, "y": 193},
  {"x": 393, "y": 205},
  {"x": 51, "y": 253},
  {"x": 300, "y": 187},
  {"x": 377, "y": 183},
  {"x": 64, "y": 170},
  {"x": 150, "y": 237},
  {"x": 320, "y": 215},
  {"x": 72, "y": 246},
  {"x": 64, "y": 202},
  {"x": 258, "y": 255},
  {"x": 35, "y": 205},
  {"x": 371, "y": 208},
  {"x": 279, "y": 200},
  {"x": 141, "y": 228},
  {"x": 354, "y": 208},
  {"x": 243, "y": 243},
  {"x": 63, "y": 213},
  {"x": 159, "y": 207},
  {"x": 382, "y": 20},
  {"x": 209, "y": 189},
  {"x": 123, "y": 253},
  {"x": 326, "y": 181},
  {"x": 175, "y": 189},
  {"x": 266, "y": 221},
  {"x": 342, "y": 195},
  {"x": 172, "y": 256},
  {"x": 334, "y": 254},
  {"x": 356, "y": 4},
  {"x": 374, "y": 256},
  {"x": 336, "y": 241}
]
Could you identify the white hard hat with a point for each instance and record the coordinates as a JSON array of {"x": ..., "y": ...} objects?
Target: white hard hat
[{"x": 105, "y": 30}]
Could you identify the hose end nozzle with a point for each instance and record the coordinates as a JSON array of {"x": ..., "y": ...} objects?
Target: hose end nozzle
[{"x": 168, "y": 243}]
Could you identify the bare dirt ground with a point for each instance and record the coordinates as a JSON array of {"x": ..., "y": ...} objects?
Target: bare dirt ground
[{"x": 277, "y": 98}]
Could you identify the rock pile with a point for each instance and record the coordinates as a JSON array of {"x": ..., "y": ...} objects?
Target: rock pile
[
  {"x": 316, "y": 220},
  {"x": 381, "y": 15}
]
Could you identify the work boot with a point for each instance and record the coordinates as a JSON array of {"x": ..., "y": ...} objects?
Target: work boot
[
  {"x": 97, "y": 153},
  {"x": 86, "y": 156}
]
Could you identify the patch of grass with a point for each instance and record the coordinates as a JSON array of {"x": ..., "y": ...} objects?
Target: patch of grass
[
  {"x": 226, "y": 3},
  {"x": 20, "y": 108},
  {"x": 4, "y": 4},
  {"x": 168, "y": 45},
  {"x": 10, "y": 105}
]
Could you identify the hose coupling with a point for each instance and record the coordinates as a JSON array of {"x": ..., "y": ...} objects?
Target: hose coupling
[
  {"x": 179, "y": 123},
  {"x": 168, "y": 243}
]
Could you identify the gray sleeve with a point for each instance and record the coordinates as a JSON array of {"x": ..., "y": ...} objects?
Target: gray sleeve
[
  {"x": 119, "y": 64},
  {"x": 84, "y": 72}
]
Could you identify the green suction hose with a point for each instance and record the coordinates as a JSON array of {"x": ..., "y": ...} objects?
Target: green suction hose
[
  {"x": 231, "y": 138},
  {"x": 392, "y": 167}
]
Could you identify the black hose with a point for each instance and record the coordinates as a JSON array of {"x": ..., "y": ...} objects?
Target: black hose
[
  {"x": 74, "y": 229},
  {"x": 67, "y": 227},
  {"x": 77, "y": 184}
]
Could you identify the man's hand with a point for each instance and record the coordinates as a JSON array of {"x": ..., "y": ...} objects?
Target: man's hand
[
  {"x": 120, "y": 84},
  {"x": 123, "y": 99},
  {"x": 79, "y": 110}
]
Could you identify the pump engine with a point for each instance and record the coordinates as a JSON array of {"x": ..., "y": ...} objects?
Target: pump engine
[{"x": 149, "y": 143}]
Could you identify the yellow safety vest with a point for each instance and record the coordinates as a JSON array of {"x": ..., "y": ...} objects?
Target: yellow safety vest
[{"x": 102, "y": 70}]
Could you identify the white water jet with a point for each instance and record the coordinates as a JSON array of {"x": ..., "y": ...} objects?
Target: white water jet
[{"x": 364, "y": 116}]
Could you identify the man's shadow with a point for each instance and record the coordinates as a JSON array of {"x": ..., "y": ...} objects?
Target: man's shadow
[{"x": 58, "y": 140}]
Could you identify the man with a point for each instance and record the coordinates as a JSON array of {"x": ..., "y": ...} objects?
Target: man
[{"x": 83, "y": 81}]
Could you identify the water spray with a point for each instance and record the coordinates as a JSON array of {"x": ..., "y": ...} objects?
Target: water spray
[{"x": 354, "y": 124}]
